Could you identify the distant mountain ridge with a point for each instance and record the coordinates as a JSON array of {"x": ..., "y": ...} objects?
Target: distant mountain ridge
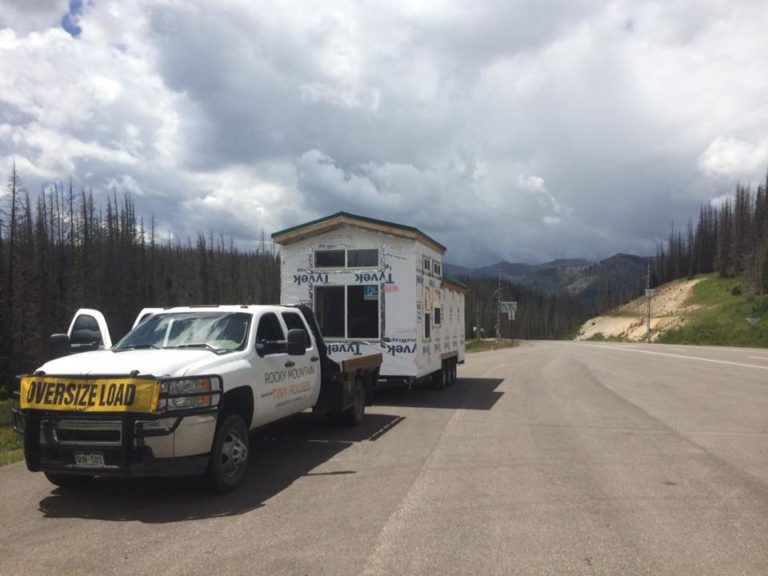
[{"x": 605, "y": 283}]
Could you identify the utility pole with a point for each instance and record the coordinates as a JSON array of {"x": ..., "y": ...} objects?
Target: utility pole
[
  {"x": 498, "y": 308},
  {"x": 648, "y": 294}
]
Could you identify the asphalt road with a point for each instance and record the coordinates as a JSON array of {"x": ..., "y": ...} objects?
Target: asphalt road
[{"x": 551, "y": 458}]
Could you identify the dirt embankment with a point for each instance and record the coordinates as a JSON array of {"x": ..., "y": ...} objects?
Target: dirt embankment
[{"x": 628, "y": 323}]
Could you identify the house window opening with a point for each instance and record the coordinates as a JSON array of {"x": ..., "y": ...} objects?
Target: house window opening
[
  {"x": 329, "y": 259},
  {"x": 348, "y": 311},
  {"x": 363, "y": 311},
  {"x": 368, "y": 258},
  {"x": 329, "y": 309}
]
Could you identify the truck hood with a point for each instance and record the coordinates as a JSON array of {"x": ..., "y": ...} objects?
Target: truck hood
[{"x": 171, "y": 363}]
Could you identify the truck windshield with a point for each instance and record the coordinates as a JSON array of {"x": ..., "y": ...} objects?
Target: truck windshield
[{"x": 216, "y": 331}]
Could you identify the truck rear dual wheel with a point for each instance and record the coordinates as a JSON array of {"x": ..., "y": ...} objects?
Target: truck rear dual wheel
[
  {"x": 229, "y": 454},
  {"x": 354, "y": 415}
]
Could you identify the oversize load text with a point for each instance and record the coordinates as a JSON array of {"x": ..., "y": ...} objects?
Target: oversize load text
[{"x": 96, "y": 395}]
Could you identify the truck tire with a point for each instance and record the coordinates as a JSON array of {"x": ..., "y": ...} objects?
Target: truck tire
[
  {"x": 354, "y": 415},
  {"x": 68, "y": 481},
  {"x": 229, "y": 454},
  {"x": 453, "y": 372}
]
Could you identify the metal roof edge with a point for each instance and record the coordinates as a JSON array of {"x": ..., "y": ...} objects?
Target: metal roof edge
[
  {"x": 340, "y": 216},
  {"x": 455, "y": 281}
]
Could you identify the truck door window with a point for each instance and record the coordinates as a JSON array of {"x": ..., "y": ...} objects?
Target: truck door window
[
  {"x": 294, "y": 321},
  {"x": 86, "y": 332},
  {"x": 270, "y": 338}
]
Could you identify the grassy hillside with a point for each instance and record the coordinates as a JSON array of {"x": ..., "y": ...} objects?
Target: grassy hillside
[{"x": 717, "y": 315}]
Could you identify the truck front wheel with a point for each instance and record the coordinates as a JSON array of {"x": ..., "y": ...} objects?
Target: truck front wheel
[{"x": 229, "y": 455}]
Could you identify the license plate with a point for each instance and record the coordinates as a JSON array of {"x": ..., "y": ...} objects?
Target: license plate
[{"x": 89, "y": 460}]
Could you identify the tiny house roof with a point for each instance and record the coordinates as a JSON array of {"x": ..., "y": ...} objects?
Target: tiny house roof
[
  {"x": 334, "y": 221},
  {"x": 455, "y": 283}
]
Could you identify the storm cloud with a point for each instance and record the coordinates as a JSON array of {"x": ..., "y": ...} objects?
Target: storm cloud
[{"x": 523, "y": 130}]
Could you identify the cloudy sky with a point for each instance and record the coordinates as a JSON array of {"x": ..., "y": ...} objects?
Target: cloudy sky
[{"x": 519, "y": 129}]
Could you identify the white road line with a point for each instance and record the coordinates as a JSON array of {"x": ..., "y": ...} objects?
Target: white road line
[
  {"x": 617, "y": 349},
  {"x": 758, "y": 357}
]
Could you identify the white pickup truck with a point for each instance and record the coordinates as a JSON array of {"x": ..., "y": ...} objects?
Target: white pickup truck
[{"x": 179, "y": 394}]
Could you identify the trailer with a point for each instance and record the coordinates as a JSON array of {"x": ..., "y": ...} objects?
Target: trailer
[{"x": 377, "y": 286}]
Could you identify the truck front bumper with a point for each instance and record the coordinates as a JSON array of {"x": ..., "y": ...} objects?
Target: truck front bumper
[{"x": 116, "y": 444}]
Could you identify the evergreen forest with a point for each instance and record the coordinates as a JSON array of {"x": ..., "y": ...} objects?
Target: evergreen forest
[
  {"x": 62, "y": 252},
  {"x": 730, "y": 239}
]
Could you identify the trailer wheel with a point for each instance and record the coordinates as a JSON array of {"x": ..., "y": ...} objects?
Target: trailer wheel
[
  {"x": 68, "y": 481},
  {"x": 438, "y": 378},
  {"x": 353, "y": 416},
  {"x": 454, "y": 372},
  {"x": 229, "y": 455}
]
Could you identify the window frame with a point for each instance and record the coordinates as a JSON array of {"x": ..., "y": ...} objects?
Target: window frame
[
  {"x": 426, "y": 265},
  {"x": 378, "y": 257},
  {"x": 346, "y": 265},
  {"x": 333, "y": 266},
  {"x": 275, "y": 348},
  {"x": 315, "y": 300},
  {"x": 308, "y": 339},
  {"x": 427, "y": 308},
  {"x": 346, "y": 288}
]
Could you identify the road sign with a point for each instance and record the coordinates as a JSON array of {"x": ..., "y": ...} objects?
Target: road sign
[{"x": 509, "y": 308}]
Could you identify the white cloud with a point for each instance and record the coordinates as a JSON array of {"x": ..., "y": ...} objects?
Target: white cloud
[
  {"x": 735, "y": 159},
  {"x": 522, "y": 130}
]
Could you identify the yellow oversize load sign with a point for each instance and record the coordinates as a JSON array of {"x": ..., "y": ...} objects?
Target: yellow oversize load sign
[{"x": 89, "y": 395}]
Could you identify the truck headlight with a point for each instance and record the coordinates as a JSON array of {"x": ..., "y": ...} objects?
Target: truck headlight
[{"x": 189, "y": 394}]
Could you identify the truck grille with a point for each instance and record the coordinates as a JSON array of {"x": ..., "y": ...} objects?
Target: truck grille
[{"x": 88, "y": 432}]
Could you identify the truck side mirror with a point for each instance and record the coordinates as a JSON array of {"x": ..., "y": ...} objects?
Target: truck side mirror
[
  {"x": 297, "y": 339},
  {"x": 58, "y": 346}
]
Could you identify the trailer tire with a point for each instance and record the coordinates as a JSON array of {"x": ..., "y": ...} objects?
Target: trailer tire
[
  {"x": 354, "y": 415},
  {"x": 229, "y": 454},
  {"x": 68, "y": 481},
  {"x": 438, "y": 378},
  {"x": 453, "y": 371}
]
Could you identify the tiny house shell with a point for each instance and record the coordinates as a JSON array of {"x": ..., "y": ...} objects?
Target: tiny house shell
[{"x": 375, "y": 284}]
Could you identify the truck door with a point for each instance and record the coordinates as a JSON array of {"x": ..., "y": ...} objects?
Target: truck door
[
  {"x": 272, "y": 366},
  {"x": 88, "y": 331},
  {"x": 310, "y": 362}
]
